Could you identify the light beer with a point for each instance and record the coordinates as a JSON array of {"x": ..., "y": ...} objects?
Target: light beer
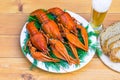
[
  {"x": 99, "y": 11},
  {"x": 97, "y": 18}
]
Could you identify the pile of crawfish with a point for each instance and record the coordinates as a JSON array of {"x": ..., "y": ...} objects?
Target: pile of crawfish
[{"x": 52, "y": 33}]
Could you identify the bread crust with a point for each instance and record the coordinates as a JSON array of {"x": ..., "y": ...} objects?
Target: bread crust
[
  {"x": 114, "y": 44},
  {"x": 113, "y": 54}
]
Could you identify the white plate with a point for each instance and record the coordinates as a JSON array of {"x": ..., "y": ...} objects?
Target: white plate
[
  {"x": 62, "y": 69},
  {"x": 106, "y": 60}
]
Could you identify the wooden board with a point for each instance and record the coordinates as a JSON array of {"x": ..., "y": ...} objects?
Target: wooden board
[
  {"x": 78, "y": 6},
  {"x": 18, "y": 69},
  {"x": 14, "y": 65}
]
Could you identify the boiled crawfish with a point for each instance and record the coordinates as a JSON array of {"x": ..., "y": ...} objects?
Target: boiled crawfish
[
  {"x": 64, "y": 18},
  {"x": 49, "y": 26},
  {"x": 37, "y": 37},
  {"x": 38, "y": 41}
]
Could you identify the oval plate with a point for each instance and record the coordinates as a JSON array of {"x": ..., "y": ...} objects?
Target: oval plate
[{"x": 66, "y": 68}]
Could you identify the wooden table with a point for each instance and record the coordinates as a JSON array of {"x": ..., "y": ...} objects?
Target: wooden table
[{"x": 15, "y": 66}]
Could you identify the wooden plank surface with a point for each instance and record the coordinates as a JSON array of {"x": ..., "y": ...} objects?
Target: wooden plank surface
[
  {"x": 78, "y": 6},
  {"x": 14, "y": 65},
  {"x": 18, "y": 69},
  {"x": 11, "y": 24}
]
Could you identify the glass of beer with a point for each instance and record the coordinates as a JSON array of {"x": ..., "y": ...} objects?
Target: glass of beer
[{"x": 99, "y": 11}]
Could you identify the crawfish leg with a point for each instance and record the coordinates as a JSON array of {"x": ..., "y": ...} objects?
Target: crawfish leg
[
  {"x": 54, "y": 30},
  {"x": 39, "y": 55}
]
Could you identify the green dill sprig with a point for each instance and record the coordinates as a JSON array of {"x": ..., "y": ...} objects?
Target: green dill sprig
[
  {"x": 32, "y": 18},
  {"x": 65, "y": 10},
  {"x": 91, "y": 33},
  {"x": 98, "y": 52},
  {"x": 51, "y": 16},
  {"x": 25, "y": 48}
]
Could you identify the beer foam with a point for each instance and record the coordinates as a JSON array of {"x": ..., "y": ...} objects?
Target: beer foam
[{"x": 101, "y": 5}]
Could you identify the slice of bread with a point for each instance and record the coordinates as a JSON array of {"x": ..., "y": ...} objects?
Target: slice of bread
[
  {"x": 109, "y": 32},
  {"x": 115, "y": 54},
  {"x": 114, "y": 44},
  {"x": 110, "y": 41}
]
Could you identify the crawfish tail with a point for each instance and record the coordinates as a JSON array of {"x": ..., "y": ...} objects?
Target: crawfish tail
[
  {"x": 52, "y": 29},
  {"x": 41, "y": 15},
  {"x": 56, "y": 11},
  {"x": 68, "y": 22},
  {"x": 31, "y": 28}
]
